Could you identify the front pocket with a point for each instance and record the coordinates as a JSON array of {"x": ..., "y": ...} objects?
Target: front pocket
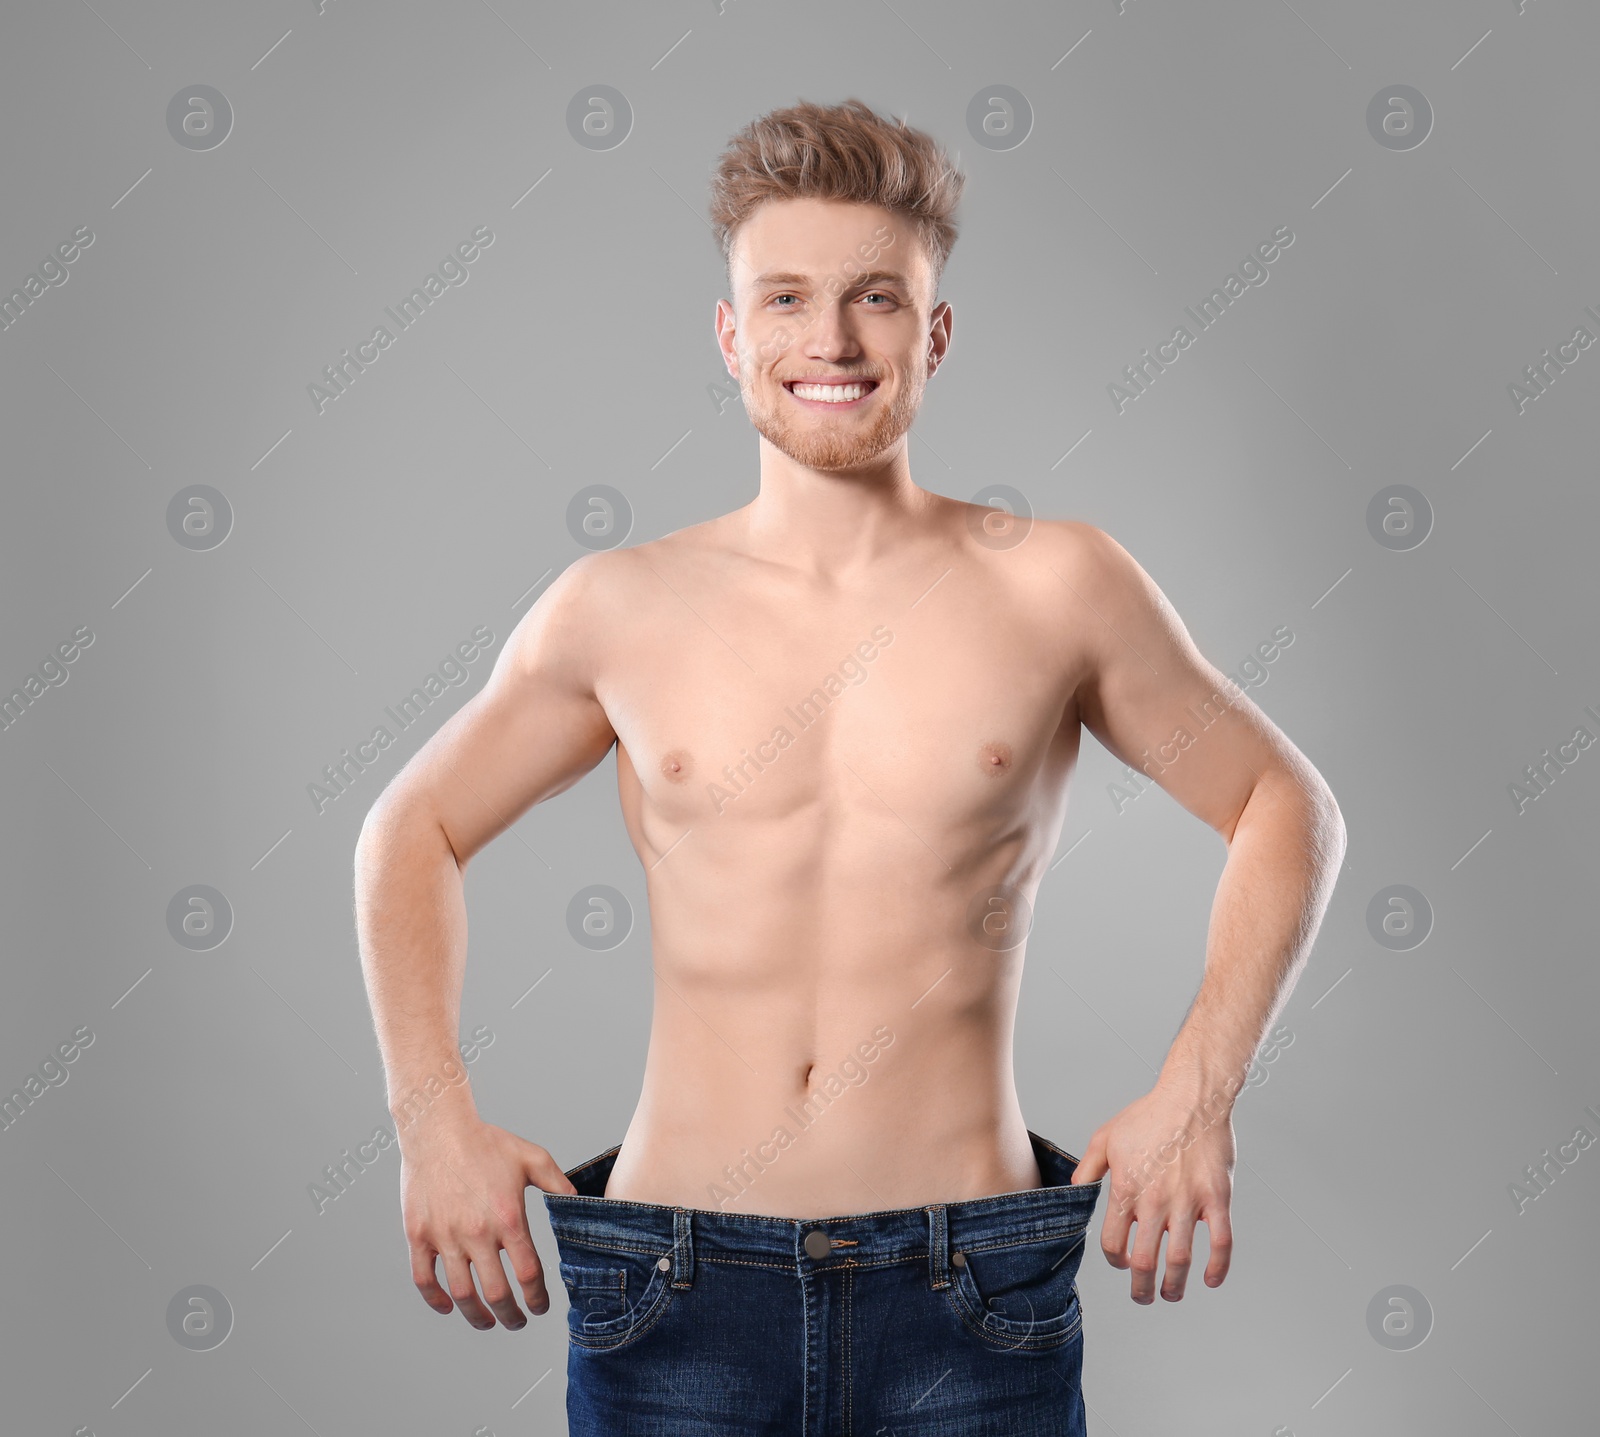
[
  {"x": 1023, "y": 1295},
  {"x": 597, "y": 1294},
  {"x": 612, "y": 1296}
]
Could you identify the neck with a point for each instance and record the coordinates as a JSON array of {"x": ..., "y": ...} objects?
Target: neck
[{"x": 831, "y": 523}]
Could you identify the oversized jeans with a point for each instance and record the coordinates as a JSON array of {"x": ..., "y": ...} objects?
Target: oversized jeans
[{"x": 955, "y": 1319}]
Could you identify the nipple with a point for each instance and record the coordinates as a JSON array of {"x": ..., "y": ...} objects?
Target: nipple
[
  {"x": 675, "y": 766},
  {"x": 995, "y": 758}
]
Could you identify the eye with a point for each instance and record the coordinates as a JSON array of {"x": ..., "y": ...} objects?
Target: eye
[
  {"x": 878, "y": 294},
  {"x": 777, "y": 297}
]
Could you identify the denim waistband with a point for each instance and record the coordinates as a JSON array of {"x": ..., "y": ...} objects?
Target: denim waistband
[{"x": 1057, "y": 1208}]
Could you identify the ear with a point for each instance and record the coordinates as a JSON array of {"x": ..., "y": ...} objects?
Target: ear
[
  {"x": 939, "y": 330},
  {"x": 727, "y": 339}
]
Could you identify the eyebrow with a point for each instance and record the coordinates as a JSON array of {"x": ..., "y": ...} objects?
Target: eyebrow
[{"x": 866, "y": 280}]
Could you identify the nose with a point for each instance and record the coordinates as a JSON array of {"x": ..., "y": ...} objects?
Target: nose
[{"x": 831, "y": 337}]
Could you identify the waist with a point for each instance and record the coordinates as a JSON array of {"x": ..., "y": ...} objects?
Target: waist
[
  {"x": 841, "y": 1078},
  {"x": 927, "y": 1112},
  {"x": 1055, "y": 1208}
]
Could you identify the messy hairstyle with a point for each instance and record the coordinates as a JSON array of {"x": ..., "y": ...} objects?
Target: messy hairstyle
[{"x": 838, "y": 152}]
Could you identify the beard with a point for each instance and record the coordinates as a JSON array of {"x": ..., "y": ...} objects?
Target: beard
[{"x": 848, "y": 441}]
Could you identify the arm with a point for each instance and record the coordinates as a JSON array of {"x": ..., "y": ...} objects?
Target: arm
[
  {"x": 1171, "y": 1153},
  {"x": 533, "y": 731}
]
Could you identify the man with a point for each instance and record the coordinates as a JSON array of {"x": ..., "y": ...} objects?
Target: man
[{"x": 845, "y": 719}]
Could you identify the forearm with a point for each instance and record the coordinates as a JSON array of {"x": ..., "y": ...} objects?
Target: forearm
[
  {"x": 1283, "y": 861},
  {"x": 411, "y": 925}
]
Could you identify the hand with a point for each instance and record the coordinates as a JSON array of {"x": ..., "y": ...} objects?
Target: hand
[
  {"x": 1170, "y": 1167},
  {"x": 462, "y": 1191}
]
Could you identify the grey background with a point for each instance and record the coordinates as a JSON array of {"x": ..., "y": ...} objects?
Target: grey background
[{"x": 1377, "y": 1148}]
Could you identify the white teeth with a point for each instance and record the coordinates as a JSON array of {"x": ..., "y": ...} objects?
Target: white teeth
[{"x": 829, "y": 393}]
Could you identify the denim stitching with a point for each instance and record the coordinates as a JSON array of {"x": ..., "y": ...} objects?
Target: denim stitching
[
  {"x": 1013, "y": 1341},
  {"x": 787, "y": 1268},
  {"x": 1074, "y": 1233},
  {"x": 656, "y": 1314},
  {"x": 1000, "y": 1334},
  {"x": 849, "y": 1280},
  {"x": 637, "y": 1328},
  {"x": 614, "y": 1247}
]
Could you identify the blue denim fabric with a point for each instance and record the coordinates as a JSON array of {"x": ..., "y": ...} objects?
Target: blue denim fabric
[{"x": 952, "y": 1320}]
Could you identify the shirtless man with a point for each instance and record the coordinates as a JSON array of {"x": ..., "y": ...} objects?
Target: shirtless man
[{"x": 845, "y": 718}]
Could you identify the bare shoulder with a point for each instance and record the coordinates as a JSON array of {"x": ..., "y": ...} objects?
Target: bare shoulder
[
  {"x": 648, "y": 570},
  {"x": 1091, "y": 552},
  {"x": 588, "y": 584},
  {"x": 604, "y": 594},
  {"x": 563, "y": 629},
  {"x": 1071, "y": 566},
  {"x": 706, "y": 540},
  {"x": 609, "y": 580},
  {"x": 1095, "y": 570}
]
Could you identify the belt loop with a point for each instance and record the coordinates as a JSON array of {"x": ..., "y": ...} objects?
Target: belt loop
[
  {"x": 938, "y": 1247},
  {"x": 682, "y": 1248}
]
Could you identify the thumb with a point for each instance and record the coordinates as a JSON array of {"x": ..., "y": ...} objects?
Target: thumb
[{"x": 1093, "y": 1163}]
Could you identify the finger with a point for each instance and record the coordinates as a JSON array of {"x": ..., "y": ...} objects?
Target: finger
[
  {"x": 1093, "y": 1163},
  {"x": 1146, "y": 1256},
  {"x": 1180, "y": 1252},
  {"x": 458, "y": 1274},
  {"x": 544, "y": 1172},
  {"x": 529, "y": 1272},
  {"x": 427, "y": 1281},
  {"x": 1220, "y": 1230},
  {"x": 1114, "y": 1233},
  {"x": 497, "y": 1292},
  {"x": 511, "y": 1212},
  {"x": 526, "y": 1267}
]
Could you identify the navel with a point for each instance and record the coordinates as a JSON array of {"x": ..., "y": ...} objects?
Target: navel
[
  {"x": 995, "y": 758},
  {"x": 676, "y": 766}
]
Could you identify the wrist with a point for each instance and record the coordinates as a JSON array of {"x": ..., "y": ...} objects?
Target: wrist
[
  {"x": 1208, "y": 1091},
  {"x": 417, "y": 1111}
]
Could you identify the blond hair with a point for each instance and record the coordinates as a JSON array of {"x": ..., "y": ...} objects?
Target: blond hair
[{"x": 838, "y": 152}]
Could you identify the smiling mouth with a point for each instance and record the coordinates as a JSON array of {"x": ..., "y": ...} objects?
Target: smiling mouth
[{"x": 832, "y": 393}]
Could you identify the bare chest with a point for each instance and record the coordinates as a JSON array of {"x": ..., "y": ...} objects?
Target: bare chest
[{"x": 954, "y": 714}]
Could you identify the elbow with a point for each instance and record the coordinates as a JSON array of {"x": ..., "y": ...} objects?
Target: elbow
[
  {"x": 371, "y": 831},
  {"x": 385, "y": 821},
  {"x": 1312, "y": 805},
  {"x": 396, "y": 831},
  {"x": 1328, "y": 825}
]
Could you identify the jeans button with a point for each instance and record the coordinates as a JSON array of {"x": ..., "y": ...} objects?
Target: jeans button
[
  {"x": 958, "y": 1258},
  {"x": 817, "y": 1244}
]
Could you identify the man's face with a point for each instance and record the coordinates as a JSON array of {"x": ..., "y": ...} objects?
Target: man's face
[{"x": 827, "y": 289}]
